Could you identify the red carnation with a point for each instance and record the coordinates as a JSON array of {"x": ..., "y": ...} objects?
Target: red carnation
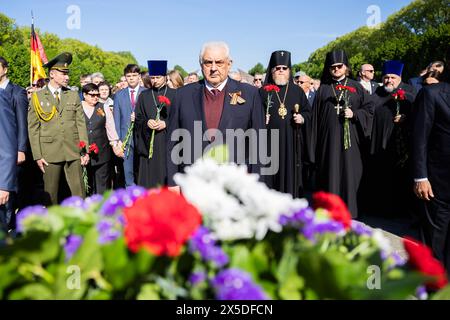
[
  {"x": 164, "y": 100},
  {"x": 93, "y": 148},
  {"x": 336, "y": 208},
  {"x": 271, "y": 87},
  {"x": 81, "y": 144},
  {"x": 400, "y": 94},
  {"x": 421, "y": 258},
  {"x": 161, "y": 222},
  {"x": 341, "y": 87}
]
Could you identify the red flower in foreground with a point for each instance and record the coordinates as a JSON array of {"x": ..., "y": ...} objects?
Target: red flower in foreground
[
  {"x": 400, "y": 94},
  {"x": 341, "y": 87},
  {"x": 164, "y": 100},
  {"x": 161, "y": 222},
  {"x": 336, "y": 208},
  {"x": 271, "y": 87},
  {"x": 93, "y": 148},
  {"x": 421, "y": 258},
  {"x": 81, "y": 144}
]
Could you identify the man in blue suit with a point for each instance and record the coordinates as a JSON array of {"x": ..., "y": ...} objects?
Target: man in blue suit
[
  {"x": 19, "y": 102},
  {"x": 209, "y": 110},
  {"x": 124, "y": 103},
  {"x": 8, "y": 160}
]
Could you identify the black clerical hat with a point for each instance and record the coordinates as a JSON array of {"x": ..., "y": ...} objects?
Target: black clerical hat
[
  {"x": 157, "y": 67},
  {"x": 60, "y": 62},
  {"x": 280, "y": 58},
  {"x": 336, "y": 56}
]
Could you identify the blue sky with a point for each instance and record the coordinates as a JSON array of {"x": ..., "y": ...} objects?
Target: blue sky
[{"x": 175, "y": 30}]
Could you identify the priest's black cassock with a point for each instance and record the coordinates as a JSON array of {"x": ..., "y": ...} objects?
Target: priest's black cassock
[
  {"x": 152, "y": 172},
  {"x": 292, "y": 139},
  {"x": 291, "y": 144},
  {"x": 339, "y": 170},
  {"x": 389, "y": 165}
]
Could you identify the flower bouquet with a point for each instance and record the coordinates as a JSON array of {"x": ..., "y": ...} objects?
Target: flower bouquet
[
  {"x": 269, "y": 89},
  {"x": 163, "y": 101},
  {"x": 243, "y": 241},
  {"x": 92, "y": 151},
  {"x": 345, "y": 92}
]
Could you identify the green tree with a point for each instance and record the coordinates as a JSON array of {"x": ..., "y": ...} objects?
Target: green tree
[
  {"x": 258, "y": 68},
  {"x": 180, "y": 69}
]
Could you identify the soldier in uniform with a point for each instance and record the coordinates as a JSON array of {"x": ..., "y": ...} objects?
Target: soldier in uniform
[{"x": 56, "y": 125}]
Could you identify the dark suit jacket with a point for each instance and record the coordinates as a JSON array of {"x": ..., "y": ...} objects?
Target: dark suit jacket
[
  {"x": 8, "y": 143},
  {"x": 19, "y": 102},
  {"x": 431, "y": 138},
  {"x": 187, "y": 112}
]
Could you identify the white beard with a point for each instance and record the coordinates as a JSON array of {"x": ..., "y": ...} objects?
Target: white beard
[
  {"x": 389, "y": 89},
  {"x": 280, "y": 82}
]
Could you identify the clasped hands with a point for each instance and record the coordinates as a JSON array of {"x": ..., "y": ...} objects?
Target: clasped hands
[{"x": 156, "y": 125}]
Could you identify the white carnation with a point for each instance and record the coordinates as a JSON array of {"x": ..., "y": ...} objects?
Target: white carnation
[{"x": 234, "y": 204}]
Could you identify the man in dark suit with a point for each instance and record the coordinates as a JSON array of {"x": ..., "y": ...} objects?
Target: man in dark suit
[
  {"x": 431, "y": 159},
  {"x": 124, "y": 104},
  {"x": 8, "y": 160},
  {"x": 19, "y": 102},
  {"x": 209, "y": 110}
]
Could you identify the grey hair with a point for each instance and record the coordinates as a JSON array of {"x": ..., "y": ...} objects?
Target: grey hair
[
  {"x": 97, "y": 75},
  {"x": 214, "y": 44}
]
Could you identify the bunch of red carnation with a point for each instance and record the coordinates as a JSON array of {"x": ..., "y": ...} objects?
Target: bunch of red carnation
[
  {"x": 161, "y": 222},
  {"x": 342, "y": 87},
  {"x": 335, "y": 207},
  {"x": 163, "y": 100},
  {"x": 400, "y": 94},
  {"x": 91, "y": 150},
  {"x": 271, "y": 87}
]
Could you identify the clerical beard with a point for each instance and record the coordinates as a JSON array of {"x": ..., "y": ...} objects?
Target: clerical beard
[
  {"x": 281, "y": 80},
  {"x": 389, "y": 89}
]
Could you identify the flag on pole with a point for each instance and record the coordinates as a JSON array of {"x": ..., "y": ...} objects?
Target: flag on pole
[{"x": 37, "y": 57}]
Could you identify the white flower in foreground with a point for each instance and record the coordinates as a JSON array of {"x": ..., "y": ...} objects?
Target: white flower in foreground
[
  {"x": 382, "y": 241},
  {"x": 234, "y": 204}
]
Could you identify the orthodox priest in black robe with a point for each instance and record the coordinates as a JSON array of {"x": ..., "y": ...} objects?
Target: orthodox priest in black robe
[
  {"x": 287, "y": 110},
  {"x": 151, "y": 122},
  {"x": 341, "y": 122},
  {"x": 389, "y": 168}
]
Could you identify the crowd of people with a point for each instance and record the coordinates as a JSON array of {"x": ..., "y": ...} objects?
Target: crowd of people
[{"x": 382, "y": 146}]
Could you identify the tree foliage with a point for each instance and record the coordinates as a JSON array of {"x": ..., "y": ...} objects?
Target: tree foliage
[
  {"x": 15, "y": 47},
  {"x": 258, "y": 68},
  {"x": 417, "y": 34}
]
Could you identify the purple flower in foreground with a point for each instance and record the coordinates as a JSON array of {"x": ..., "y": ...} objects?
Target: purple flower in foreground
[
  {"x": 197, "y": 277},
  {"x": 121, "y": 198},
  {"x": 303, "y": 216},
  {"x": 95, "y": 198},
  {"x": 28, "y": 212},
  {"x": 72, "y": 244},
  {"x": 74, "y": 202},
  {"x": 204, "y": 243},
  {"x": 421, "y": 293},
  {"x": 311, "y": 230},
  {"x": 361, "y": 229},
  {"x": 234, "y": 284},
  {"x": 108, "y": 231}
]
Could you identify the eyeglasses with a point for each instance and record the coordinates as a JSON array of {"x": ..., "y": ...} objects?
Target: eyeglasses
[
  {"x": 94, "y": 95},
  {"x": 371, "y": 71},
  {"x": 257, "y": 79},
  {"x": 337, "y": 66},
  {"x": 302, "y": 82},
  {"x": 284, "y": 68},
  {"x": 209, "y": 63}
]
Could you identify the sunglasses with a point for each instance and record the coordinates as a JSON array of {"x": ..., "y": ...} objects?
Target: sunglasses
[
  {"x": 94, "y": 95},
  {"x": 302, "y": 82},
  {"x": 258, "y": 79},
  {"x": 209, "y": 63},
  {"x": 281, "y": 68},
  {"x": 338, "y": 66},
  {"x": 371, "y": 71}
]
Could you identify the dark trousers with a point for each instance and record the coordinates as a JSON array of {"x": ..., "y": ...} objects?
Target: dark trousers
[
  {"x": 7, "y": 216},
  {"x": 100, "y": 178},
  {"x": 437, "y": 231}
]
